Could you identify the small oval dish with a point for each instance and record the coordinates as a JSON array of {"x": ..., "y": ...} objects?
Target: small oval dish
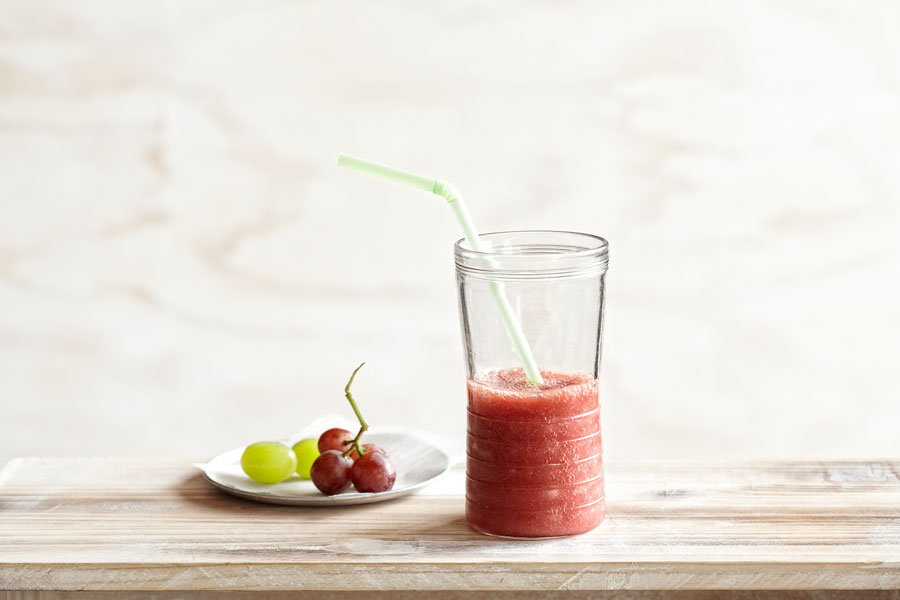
[{"x": 417, "y": 461}]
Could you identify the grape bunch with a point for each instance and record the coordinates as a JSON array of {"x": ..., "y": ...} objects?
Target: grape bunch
[
  {"x": 343, "y": 461},
  {"x": 333, "y": 462}
]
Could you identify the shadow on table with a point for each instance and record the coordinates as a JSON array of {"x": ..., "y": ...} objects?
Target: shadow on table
[{"x": 441, "y": 516}]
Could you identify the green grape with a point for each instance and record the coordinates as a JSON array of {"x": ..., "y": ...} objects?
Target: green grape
[
  {"x": 268, "y": 462},
  {"x": 307, "y": 452}
]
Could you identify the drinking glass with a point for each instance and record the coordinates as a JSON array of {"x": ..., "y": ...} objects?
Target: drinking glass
[{"x": 534, "y": 463}]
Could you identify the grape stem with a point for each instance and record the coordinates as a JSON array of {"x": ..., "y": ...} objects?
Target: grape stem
[{"x": 363, "y": 426}]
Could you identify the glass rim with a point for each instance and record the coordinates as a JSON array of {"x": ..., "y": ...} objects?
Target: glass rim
[
  {"x": 533, "y": 254},
  {"x": 601, "y": 248}
]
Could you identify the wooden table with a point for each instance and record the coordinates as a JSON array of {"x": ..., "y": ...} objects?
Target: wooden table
[{"x": 157, "y": 525}]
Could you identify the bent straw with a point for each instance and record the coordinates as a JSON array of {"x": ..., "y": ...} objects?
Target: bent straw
[{"x": 454, "y": 198}]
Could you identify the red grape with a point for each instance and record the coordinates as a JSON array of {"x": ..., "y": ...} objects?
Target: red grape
[
  {"x": 334, "y": 439},
  {"x": 368, "y": 448},
  {"x": 373, "y": 472},
  {"x": 331, "y": 472}
]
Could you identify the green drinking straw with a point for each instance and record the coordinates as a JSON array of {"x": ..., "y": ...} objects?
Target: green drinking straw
[{"x": 454, "y": 198}]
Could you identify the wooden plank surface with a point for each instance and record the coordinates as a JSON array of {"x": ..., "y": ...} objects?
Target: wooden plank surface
[
  {"x": 117, "y": 524},
  {"x": 468, "y": 595}
]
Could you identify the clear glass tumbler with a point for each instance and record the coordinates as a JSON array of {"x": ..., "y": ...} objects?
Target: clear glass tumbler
[{"x": 534, "y": 463}]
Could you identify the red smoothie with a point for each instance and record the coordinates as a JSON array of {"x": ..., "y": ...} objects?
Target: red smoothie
[{"x": 534, "y": 455}]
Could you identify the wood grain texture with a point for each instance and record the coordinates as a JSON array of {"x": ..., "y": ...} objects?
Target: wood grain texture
[
  {"x": 472, "y": 595},
  {"x": 135, "y": 524}
]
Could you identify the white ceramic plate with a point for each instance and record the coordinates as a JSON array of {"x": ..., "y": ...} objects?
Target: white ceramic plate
[{"x": 417, "y": 461}]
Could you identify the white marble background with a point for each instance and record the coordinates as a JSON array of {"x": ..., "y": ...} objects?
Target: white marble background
[{"x": 184, "y": 269}]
